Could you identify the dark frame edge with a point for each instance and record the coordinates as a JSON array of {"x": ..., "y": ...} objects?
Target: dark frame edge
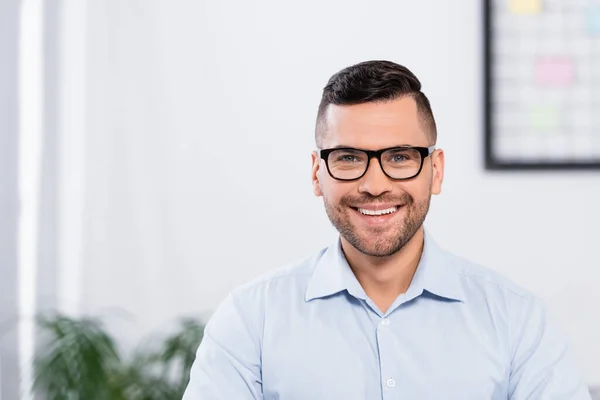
[{"x": 490, "y": 162}]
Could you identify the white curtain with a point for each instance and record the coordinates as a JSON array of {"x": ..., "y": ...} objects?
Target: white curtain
[
  {"x": 178, "y": 196},
  {"x": 9, "y": 205}
]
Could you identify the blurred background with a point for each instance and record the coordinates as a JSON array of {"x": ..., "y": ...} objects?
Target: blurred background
[{"x": 156, "y": 154}]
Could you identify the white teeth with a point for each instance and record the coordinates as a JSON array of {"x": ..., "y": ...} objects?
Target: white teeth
[{"x": 377, "y": 212}]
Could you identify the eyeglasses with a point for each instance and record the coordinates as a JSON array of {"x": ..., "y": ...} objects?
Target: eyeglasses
[{"x": 397, "y": 163}]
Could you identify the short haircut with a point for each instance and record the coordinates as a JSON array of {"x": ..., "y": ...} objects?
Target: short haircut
[{"x": 374, "y": 81}]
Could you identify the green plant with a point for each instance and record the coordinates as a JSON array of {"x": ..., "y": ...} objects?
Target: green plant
[{"x": 79, "y": 360}]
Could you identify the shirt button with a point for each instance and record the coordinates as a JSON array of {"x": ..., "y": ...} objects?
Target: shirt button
[
  {"x": 390, "y": 383},
  {"x": 385, "y": 321}
]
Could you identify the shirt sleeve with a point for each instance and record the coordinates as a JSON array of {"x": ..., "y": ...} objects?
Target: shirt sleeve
[
  {"x": 227, "y": 364},
  {"x": 543, "y": 364}
]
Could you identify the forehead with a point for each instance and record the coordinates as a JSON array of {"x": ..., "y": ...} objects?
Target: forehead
[{"x": 374, "y": 125}]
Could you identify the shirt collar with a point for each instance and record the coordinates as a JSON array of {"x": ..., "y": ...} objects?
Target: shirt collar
[
  {"x": 333, "y": 274},
  {"x": 440, "y": 276},
  {"x": 435, "y": 274}
]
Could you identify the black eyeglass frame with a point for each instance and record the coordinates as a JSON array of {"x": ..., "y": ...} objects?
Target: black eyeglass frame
[{"x": 423, "y": 151}]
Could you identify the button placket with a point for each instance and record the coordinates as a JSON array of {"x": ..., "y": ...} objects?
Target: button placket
[{"x": 385, "y": 339}]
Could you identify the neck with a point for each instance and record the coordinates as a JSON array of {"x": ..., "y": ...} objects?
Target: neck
[{"x": 385, "y": 278}]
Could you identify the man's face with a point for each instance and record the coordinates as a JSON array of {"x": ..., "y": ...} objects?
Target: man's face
[{"x": 374, "y": 126}]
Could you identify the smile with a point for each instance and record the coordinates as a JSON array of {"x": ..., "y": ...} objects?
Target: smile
[
  {"x": 377, "y": 213},
  {"x": 386, "y": 211}
]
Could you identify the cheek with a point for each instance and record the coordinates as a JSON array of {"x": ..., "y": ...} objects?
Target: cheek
[
  {"x": 425, "y": 185},
  {"x": 418, "y": 191},
  {"x": 334, "y": 192},
  {"x": 332, "y": 195}
]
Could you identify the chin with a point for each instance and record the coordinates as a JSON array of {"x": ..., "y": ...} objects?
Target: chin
[
  {"x": 380, "y": 242},
  {"x": 379, "y": 247}
]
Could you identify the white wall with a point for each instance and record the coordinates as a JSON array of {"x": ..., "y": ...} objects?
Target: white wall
[{"x": 200, "y": 127}]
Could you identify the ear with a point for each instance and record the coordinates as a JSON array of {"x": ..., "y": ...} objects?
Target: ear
[
  {"x": 437, "y": 167},
  {"x": 316, "y": 164}
]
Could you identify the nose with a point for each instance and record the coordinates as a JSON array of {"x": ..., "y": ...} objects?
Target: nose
[{"x": 375, "y": 181}]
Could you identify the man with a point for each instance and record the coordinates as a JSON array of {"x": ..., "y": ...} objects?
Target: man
[{"x": 384, "y": 312}]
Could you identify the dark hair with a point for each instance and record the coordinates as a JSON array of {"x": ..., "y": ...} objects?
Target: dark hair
[{"x": 373, "y": 81}]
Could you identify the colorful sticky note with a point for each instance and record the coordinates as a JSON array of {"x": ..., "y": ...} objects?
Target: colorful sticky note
[
  {"x": 593, "y": 21},
  {"x": 554, "y": 71},
  {"x": 544, "y": 117},
  {"x": 525, "y": 6}
]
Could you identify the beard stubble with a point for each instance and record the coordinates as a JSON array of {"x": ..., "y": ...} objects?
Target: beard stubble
[{"x": 378, "y": 242}]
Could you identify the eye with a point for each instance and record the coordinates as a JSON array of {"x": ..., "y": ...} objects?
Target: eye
[
  {"x": 402, "y": 157},
  {"x": 399, "y": 158},
  {"x": 348, "y": 158}
]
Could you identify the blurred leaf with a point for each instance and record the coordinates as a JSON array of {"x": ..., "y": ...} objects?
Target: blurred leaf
[
  {"x": 74, "y": 351},
  {"x": 179, "y": 351},
  {"x": 79, "y": 360}
]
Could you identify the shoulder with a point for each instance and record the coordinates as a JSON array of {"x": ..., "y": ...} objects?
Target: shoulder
[
  {"x": 245, "y": 305},
  {"x": 475, "y": 278},
  {"x": 497, "y": 302},
  {"x": 490, "y": 294},
  {"x": 291, "y": 277}
]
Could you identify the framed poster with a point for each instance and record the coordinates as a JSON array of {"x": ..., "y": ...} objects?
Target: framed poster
[{"x": 542, "y": 84}]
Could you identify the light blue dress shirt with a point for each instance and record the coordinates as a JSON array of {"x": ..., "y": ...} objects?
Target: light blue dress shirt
[{"x": 309, "y": 332}]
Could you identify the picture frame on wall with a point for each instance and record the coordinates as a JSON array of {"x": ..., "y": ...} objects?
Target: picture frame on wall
[{"x": 541, "y": 84}]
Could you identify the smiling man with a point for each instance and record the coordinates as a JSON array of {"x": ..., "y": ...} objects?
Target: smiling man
[{"x": 384, "y": 312}]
